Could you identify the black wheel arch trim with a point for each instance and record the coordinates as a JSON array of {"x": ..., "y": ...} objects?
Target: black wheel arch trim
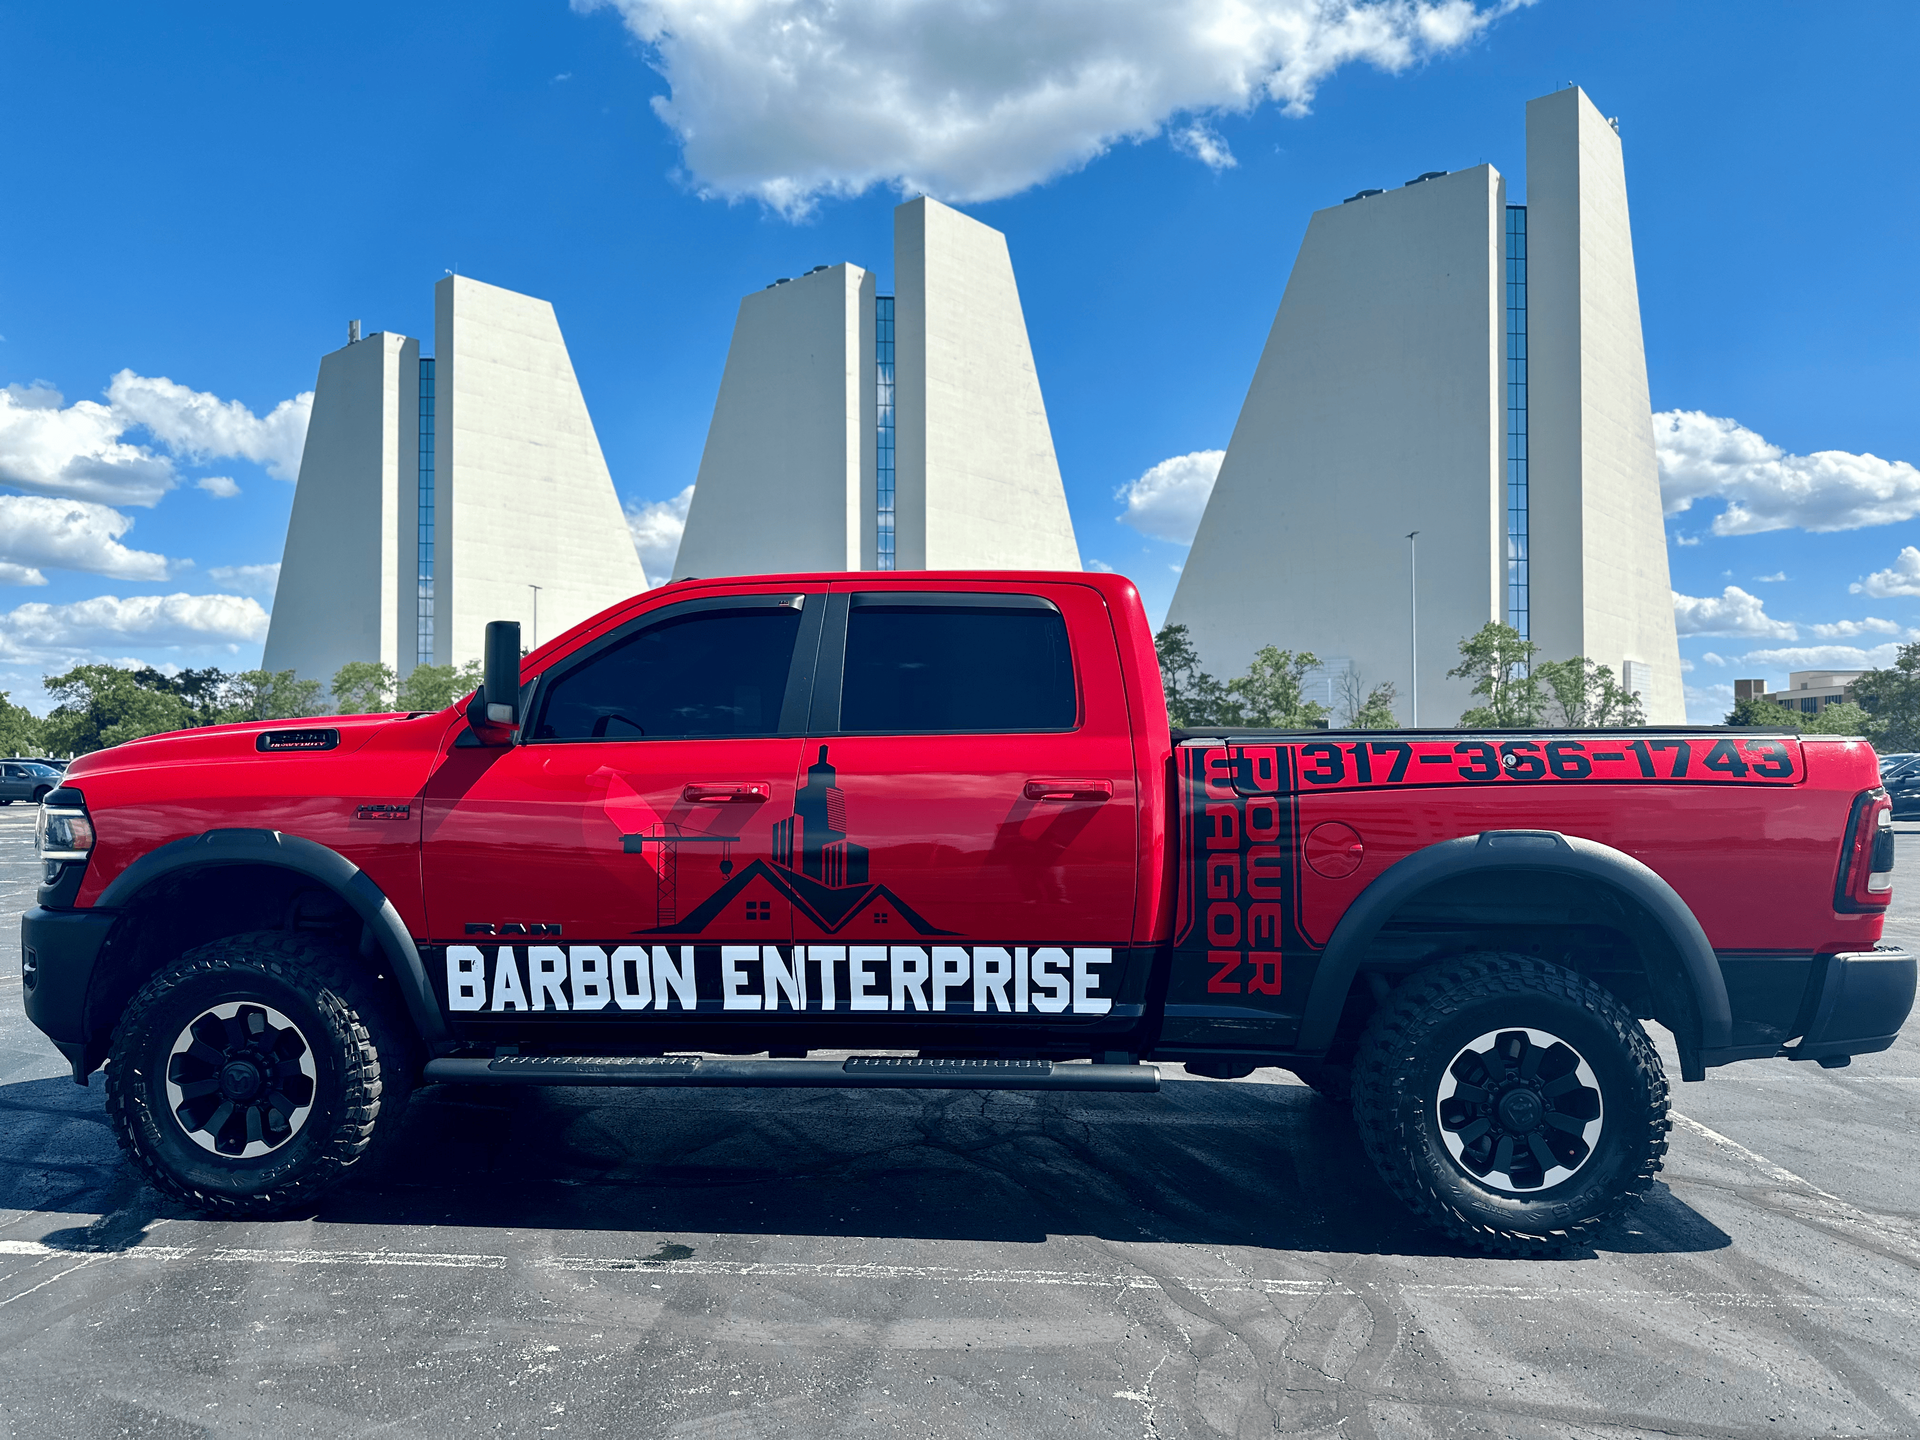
[
  {"x": 1536, "y": 850},
  {"x": 317, "y": 862}
]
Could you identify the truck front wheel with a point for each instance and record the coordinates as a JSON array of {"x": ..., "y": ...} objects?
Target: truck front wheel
[
  {"x": 252, "y": 1073},
  {"x": 1514, "y": 1105}
]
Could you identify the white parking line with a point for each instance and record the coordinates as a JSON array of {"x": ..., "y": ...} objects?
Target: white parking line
[{"x": 961, "y": 1276}]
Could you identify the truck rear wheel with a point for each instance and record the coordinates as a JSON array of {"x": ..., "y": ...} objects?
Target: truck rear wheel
[
  {"x": 1514, "y": 1105},
  {"x": 252, "y": 1073}
]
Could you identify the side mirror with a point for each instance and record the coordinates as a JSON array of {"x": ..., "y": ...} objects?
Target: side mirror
[{"x": 497, "y": 701}]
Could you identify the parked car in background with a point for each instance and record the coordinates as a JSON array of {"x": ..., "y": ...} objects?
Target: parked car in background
[
  {"x": 26, "y": 780},
  {"x": 1899, "y": 760},
  {"x": 1902, "y": 784}
]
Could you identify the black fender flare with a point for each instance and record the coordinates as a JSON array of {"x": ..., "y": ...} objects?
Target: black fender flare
[
  {"x": 316, "y": 862},
  {"x": 1535, "y": 850}
]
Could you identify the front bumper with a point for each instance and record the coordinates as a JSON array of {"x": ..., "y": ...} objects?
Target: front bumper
[
  {"x": 1859, "y": 1007},
  {"x": 58, "y": 951}
]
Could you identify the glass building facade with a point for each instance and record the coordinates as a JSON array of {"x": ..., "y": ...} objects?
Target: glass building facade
[
  {"x": 883, "y": 437},
  {"x": 423, "y": 648},
  {"x": 1517, "y": 606}
]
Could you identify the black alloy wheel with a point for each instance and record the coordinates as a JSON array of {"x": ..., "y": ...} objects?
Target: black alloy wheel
[
  {"x": 241, "y": 1079},
  {"x": 1520, "y": 1110},
  {"x": 1513, "y": 1104},
  {"x": 257, "y": 1071}
]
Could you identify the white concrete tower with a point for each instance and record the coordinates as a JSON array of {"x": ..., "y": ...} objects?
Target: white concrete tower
[
  {"x": 523, "y": 497},
  {"x": 1376, "y": 409},
  {"x": 1600, "y": 583},
  {"x": 787, "y": 477},
  {"x": 341, "y": 596},
  {"x": 977, "y": 483}
]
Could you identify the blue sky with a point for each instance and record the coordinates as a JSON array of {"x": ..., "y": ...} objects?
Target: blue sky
[{"x": 206, "y": 195}]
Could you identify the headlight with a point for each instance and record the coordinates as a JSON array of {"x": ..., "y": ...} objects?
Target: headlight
[{"x": 65, "y": 833}]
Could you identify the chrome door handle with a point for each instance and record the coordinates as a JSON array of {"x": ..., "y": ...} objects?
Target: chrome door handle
[
  {"x": 1067, "y": 791},
  {"x": 752, "y": 793}
]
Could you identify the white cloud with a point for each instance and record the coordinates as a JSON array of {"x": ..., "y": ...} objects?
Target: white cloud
[
  {"x": 48, "y": 447},
  {"x": 260, "y": 580},
  {"x": 1902, "y": 578},
  {"x": 221, "y": 487},
  {"x": 1732, "y": 612},
  {"x": 1765, "y": 488},
  {"x": 201, "y": 426},
  {"x": 1708, "y": 704},
  {"x": 1822, "y": 657},
  {"x": 1205, "y": 144},
  {"x": 1167, "y": 501},
  {"x": 1847, "y": 629},
  {"x": 1773, "y": 579},
  {"x": 656, "y": 528},
  {"x": 52, "y": 448},
  {"x": 140, "y": 619},
  {"x": 12, "y": 574},
  {"x": 1100, "y": 566},
  {"x": 1686, "y": 539},
  {"x": 36, "y": 530},
  {"x": 790, "y": 100}
]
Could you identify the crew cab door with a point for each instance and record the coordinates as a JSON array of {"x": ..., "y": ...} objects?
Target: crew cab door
[
  {"x": 966, "y": 826},
  {"x": 639, "y": 809}
]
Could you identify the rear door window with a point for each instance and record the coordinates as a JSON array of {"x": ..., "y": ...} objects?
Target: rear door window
[
  {"x": 934, "y": 664},
  {"x": 710, "y": 672}
]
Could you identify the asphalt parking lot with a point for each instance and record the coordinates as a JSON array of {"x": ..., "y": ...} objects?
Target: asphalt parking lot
[{"x": 1218, "y": 1259}]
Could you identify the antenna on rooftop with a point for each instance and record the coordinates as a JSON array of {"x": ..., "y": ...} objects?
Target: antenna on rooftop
[{"x": 353, "y": 332}]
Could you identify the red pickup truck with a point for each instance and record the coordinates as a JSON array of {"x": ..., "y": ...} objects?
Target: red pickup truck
[{"x": 940, "y": 819}]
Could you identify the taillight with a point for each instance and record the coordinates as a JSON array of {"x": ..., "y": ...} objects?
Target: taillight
[{"x": 1865, "y": 881}]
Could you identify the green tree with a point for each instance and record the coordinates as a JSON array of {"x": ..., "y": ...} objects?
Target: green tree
[
  {"x": 1890, "y": 699},
  {"x": 434, "y": 687},
  {"x": 267, "y": 695},
  {"x": 1499, "y": 662},
  {"x": 363, "y": 687},
  {"x": 1759, "y": 711},
  {"x": 1363, "y": 707},
  {"x": 1583, "y": 695},
  {"x": 1846, "y": 718},
  {"x": 21, "y": 731},
  {"x": 102, "y": 705},
  {"x": 1268, "y": 695},
  {"x": 1194, "y": 698}
]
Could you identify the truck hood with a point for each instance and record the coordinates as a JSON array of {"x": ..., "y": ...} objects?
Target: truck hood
[{"x": 222, "y": 742}]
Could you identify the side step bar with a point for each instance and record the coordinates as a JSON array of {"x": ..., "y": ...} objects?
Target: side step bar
[{"x": 858, "y": 1072}]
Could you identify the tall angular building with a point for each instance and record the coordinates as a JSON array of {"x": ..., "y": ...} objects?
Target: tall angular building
[
  {"x": 438, "y": 493},
  {"x": 1447, "y": 363},
  {"x": 858, "y": 431}
]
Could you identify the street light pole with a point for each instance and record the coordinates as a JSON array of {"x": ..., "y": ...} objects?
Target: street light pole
[{"x": 1413, "y": 619}]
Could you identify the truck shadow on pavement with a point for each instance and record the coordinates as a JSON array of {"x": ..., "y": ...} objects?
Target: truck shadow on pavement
[{"x": 1202, "y": 1162}]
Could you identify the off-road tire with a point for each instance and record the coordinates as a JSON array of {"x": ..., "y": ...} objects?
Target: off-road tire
[
  {"x": 359, "y": 1053},
  {"x": 1331, "y": 1080},
  {"x": 1408, "y": 1050}
]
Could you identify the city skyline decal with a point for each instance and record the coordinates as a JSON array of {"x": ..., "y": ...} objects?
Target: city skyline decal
[{"x": 820, "y": 870}]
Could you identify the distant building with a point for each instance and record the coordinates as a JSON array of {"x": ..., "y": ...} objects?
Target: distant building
[
  {"x": 1811, "y": 691},
  {"x": 1446, "y": 362},
  {"x": 438, "y": 493},
  {"x": 859, "y": 431}
]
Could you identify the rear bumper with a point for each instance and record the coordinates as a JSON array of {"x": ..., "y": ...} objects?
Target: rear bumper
[
  {"x": 1863, "y": 1001},
  {"x": 1819, "y": 1007},
  {"x": 58, "y": 949}
]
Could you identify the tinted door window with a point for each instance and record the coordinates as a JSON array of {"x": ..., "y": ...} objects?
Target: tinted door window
[
  {"x": 945, "y": 668},
  {"x": 709, "y": 673}
]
